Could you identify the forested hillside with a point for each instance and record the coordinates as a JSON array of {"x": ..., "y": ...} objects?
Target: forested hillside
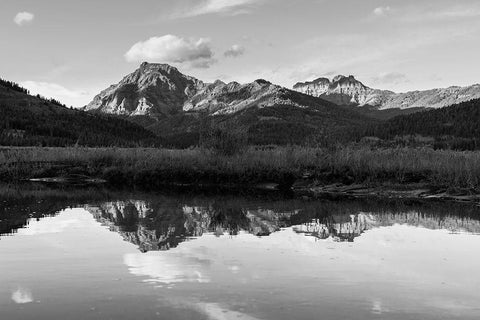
[
  {"x": 27, "y": 120},
  {"x": 456, "y": 127}
]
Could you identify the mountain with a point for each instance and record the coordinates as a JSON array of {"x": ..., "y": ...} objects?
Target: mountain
[
  {"x": 28, "y": 120},
  {"x": 161, "y": 90},
  {"x": 153, "y": 89},
  {"x": 174, "y": 106},
  {"x": 343, "y": 90}
]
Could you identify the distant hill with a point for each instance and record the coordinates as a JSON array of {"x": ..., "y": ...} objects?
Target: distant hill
[
  {"x": 176, "y": 106},
  {"x": 343, "y": 90},
  {"x": 27, "y": 120}
]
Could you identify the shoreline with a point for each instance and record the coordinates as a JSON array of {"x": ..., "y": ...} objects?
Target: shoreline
[
  {"x": 305, "y": 172},
  {"x": 301, "y": 189}
]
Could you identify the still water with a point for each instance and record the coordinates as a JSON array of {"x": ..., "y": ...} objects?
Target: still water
[{"x": 97, "y": 254}]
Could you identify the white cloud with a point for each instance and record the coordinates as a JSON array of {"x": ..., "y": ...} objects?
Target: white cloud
[
  {"x": 390, "y": 78},
  {"x": 23, "y": 18},
  {"x": 381, "y": 11},
  {"x": 232, "y": 7},
  {"x": 22, "y": 296},
  {"x": 234, "y": 51},
  {"x": 195, "y": 53},
  {"x": 56, "y": 91}
]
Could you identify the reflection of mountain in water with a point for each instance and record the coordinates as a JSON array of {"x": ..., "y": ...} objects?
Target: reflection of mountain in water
[
  {"x": 161, "y": 222},
  {"x": 347, "y": 228},
  {"x": 163, "y": 225}
]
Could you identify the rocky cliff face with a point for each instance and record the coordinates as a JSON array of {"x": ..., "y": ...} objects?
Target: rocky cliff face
[
  {"x": 343, "y": 90},
  {"x": 151, "y": 89}
]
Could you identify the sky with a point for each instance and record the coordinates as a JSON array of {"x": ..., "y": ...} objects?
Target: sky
[{"x": 71, "y": 50}]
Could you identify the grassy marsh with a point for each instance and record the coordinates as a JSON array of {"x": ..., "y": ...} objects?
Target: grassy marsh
[{"x": 153, "y": 167}]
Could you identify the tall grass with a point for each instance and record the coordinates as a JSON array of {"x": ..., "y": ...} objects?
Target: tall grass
[{"x": 284, "y": 165}]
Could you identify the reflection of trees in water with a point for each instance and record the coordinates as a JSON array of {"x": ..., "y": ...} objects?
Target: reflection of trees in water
[
  {"x": 161, "y": 222},
  {"x": 20, "y": 203}
]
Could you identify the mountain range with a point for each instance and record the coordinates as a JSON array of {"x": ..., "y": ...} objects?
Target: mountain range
[
  {"x": 344, "y": 90},
  {"x": 172, "y": 104},
  {"x": 158, "y": 105},
  {"x": 161, "y": 90}
]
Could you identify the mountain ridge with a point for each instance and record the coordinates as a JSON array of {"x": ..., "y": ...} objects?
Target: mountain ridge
[
  {"x": 349, "y": 91},
  {"x": 162, "y": 90}
]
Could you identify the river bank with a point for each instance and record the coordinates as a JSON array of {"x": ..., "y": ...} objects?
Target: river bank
[{"x": 311, "y": 172}]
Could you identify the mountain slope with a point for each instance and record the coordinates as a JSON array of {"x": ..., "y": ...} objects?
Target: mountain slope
[
  {"x": 349, "y": 91},
  {"x": 303, "y": 120},
  {"x": 456, "y": 126},
  {"x": 32, "y": 120}
]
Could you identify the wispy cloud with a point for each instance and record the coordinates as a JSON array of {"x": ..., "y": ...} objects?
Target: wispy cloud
[
  {"x": 23, "y": 18},
  {"x": 427, "y": 13},
  {"x": 232, "y": 7},
  {"x": 189, "y": 52},
  {"x": 234, "y": 51},
  {"x": 455, "y": 12},
  {"x": 390, "y": 78},
  {"x": 381, "y": 11}
]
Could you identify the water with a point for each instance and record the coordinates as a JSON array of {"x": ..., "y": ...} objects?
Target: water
[{"x": 96, "y": 254}]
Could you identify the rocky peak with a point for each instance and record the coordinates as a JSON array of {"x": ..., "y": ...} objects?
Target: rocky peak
[
  {"x": 346, "y": 81},
  {"x": 153, "y": 88},
  {"x": 262, "y": 82},
  {"x": 341, "y": 90},
  {"x": 156, "y": 67}
]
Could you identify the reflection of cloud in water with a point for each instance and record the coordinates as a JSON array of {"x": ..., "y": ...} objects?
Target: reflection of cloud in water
[
  {"x": 22, "y": 296},
  {"x": 167, "y": 269},
  {"x": 215, "y": 311},
  {"x": 377, "y": 306},
  {"x": 48, "y": 225}
]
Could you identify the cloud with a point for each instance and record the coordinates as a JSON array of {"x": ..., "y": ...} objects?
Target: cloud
[
  {"x": 452, "y": 13},
  {"x": 427, "y": 14},
  {"x": 24, "y": 18},
  {"x": 390, "y": 78},
  {"x": 22, "y": 296},
  {"x": 234, "y": 51},
  {"x": 194, "y": 53},
  {"x": 231, "y": 7},
  {"x": 56, "y": 91},
  {"x": 381, "y": 11}
]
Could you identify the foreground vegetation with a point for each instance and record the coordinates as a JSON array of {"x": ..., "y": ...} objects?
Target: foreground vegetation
[{"x": 151, "y": 167}]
